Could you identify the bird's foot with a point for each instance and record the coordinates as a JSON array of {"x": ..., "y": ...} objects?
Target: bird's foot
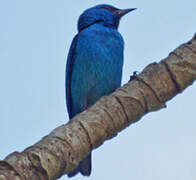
[{"x": 134, "y": 76}]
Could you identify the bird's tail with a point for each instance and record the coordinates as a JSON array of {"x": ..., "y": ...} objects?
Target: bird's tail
[{"x": 84, "y": 167}]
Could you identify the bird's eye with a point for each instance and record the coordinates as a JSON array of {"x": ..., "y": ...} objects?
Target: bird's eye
[{"x": 109, "y": 8}]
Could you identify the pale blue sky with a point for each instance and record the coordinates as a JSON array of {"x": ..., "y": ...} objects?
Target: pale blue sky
[{"x": 34, "y": 40}]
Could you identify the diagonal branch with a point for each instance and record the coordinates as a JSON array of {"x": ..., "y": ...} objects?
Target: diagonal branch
[{"x": 61, "y": 151}]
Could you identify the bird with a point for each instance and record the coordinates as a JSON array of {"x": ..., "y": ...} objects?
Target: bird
[{"x": 94, "y": 63}]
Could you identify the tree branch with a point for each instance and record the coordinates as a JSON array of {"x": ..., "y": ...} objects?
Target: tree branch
[{"x": 60, "y": 152}]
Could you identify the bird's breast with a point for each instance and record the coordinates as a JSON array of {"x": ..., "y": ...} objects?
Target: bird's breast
[{"x": 98, "y": 61}]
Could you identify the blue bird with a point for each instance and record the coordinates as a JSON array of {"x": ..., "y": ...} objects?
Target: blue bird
[{"x": 94, "y": 64}]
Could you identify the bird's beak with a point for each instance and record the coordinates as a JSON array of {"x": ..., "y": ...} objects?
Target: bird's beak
[{"x": 122, "y": 12}]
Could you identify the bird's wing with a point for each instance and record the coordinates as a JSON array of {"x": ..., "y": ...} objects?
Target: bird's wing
[
  {"x": 69, "y": 68},
  {"x": 85, "y": 165}
]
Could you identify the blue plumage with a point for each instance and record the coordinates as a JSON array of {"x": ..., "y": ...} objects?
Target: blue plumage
[{"x": 94, "y": 64}]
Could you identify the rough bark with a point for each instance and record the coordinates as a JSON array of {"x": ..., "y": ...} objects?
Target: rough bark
[{"x": 60, "y": 151}]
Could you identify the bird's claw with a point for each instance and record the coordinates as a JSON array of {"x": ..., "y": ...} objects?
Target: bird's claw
[{"x": 134, "y": 76}]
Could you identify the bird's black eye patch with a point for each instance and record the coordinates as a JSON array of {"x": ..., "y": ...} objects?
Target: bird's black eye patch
[{"x": 110, "y": 8}]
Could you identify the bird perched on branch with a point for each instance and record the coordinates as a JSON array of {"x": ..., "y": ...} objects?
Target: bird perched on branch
[{"x": 94, "y": 64}]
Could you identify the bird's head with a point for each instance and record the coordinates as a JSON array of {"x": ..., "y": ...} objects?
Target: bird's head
[{"x": 106, "y": 14}]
